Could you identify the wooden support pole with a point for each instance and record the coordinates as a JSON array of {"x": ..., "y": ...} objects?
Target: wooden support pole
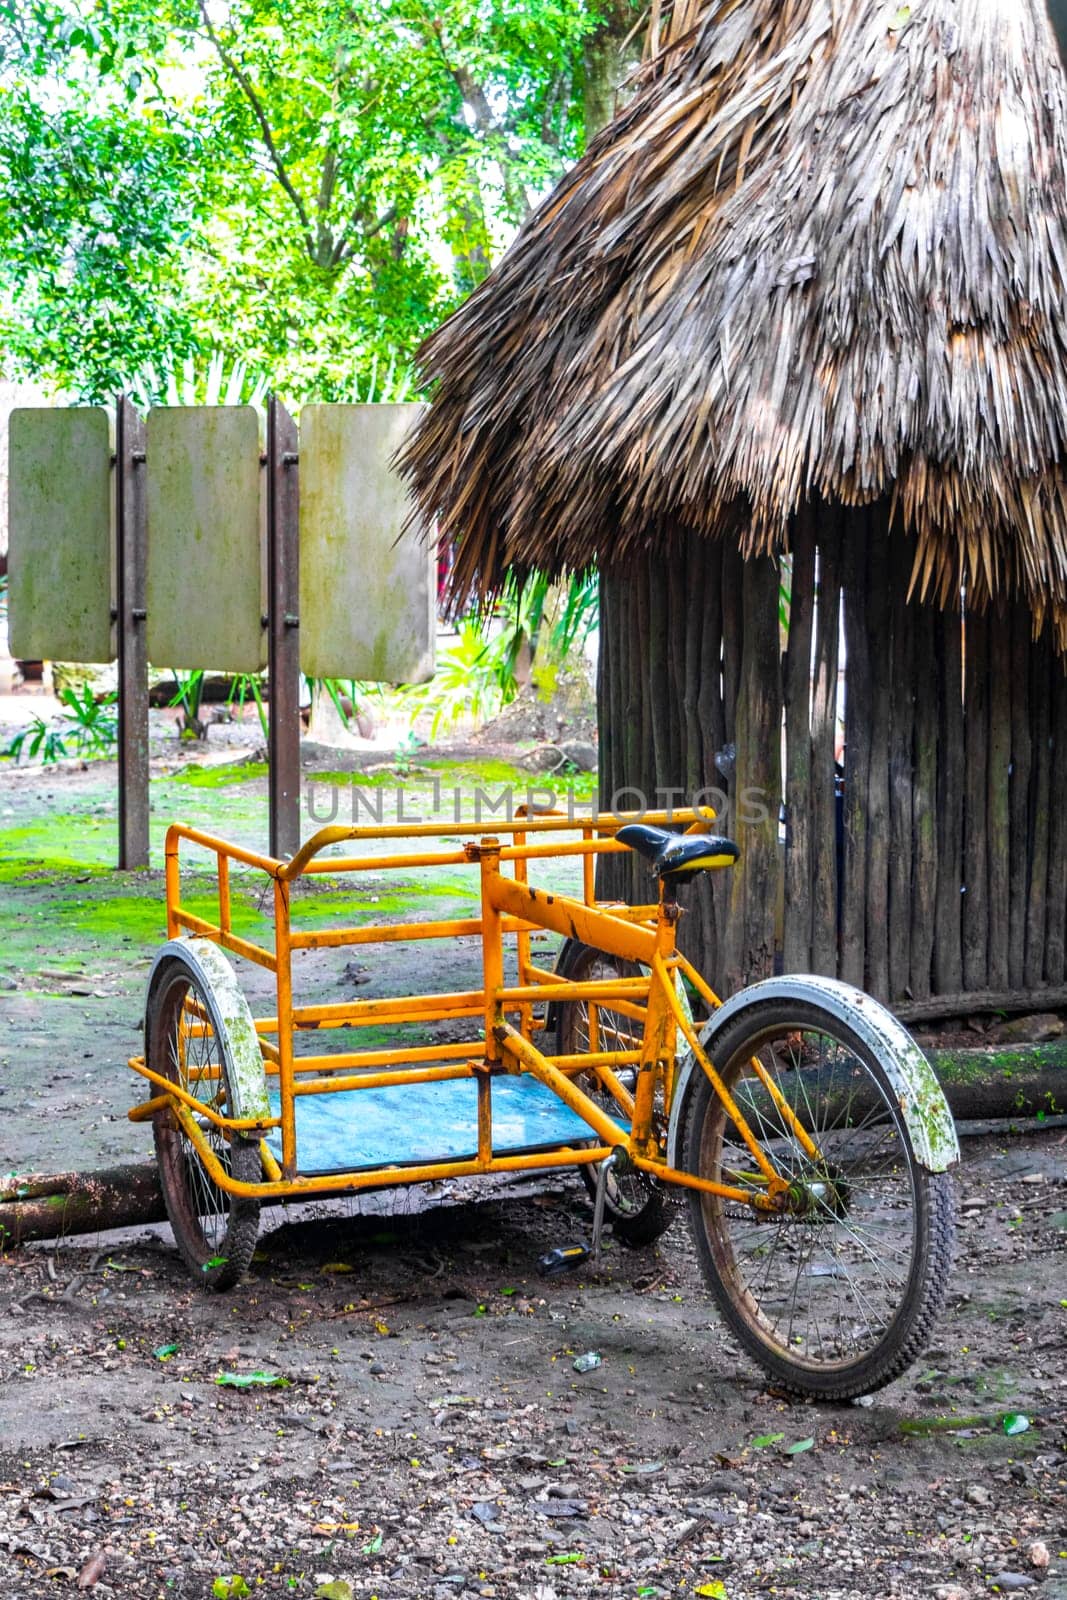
[
  {"x": 796, "y": 938},
  {"x": 283, "y": 638},
  {"x": 1019, "y": 794},
  {"x": 852, "y": 954},
  {"x": 1056, "y": 932},
  {"x": 1040, "y": 800},
  {"x": 877, "y": 819},
  {"x": 926, "y": 838},
  {"x": 975, "y": 783},
  {"x": 902, "y": 728},
  {"x": 824, "y": 873},
  {"x": 998, "y": 796},
  {"x": 755, "y": 880},
  {"x": 132, "y": 653},
  {"x": 947, "y": 950}
]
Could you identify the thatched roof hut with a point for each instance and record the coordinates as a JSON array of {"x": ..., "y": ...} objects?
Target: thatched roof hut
[{"x": 820, "y": 256}]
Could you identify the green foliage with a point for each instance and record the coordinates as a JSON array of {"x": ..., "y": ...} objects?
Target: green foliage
[
  {"x": 471, "y": 680},
  {"x": 481, "y": 673},
  {"x": 88, "y": 727},
  {"x": 95, "y": 207},
  {"x": 307, "y": 187}
]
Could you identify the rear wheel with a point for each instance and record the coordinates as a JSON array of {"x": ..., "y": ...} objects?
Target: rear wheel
[
  {"x": 836, "y": 1296},
  {"x": 185, "y": 1041},
  {"x": 635, "y": 1205}
]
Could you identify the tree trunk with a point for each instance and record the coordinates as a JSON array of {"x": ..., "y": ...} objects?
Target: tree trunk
[
  {"x": 38, "y": 1206},
  {"x": 611, "y": 52}
]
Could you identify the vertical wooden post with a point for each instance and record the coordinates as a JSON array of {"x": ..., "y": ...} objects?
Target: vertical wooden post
[
  {"x": 693, "y": 743},
  {"x": 755, "y": 881},
  {"x": 857, "y": 747},
  {"x": 997, "y": 796},
  {"x": 283, "y": 638},
  {"x": 926, "y": 836},
  {"x": 659, "y": 689},
  {"x": 1022, "y": 632},
  {"x": 823, "y": 752},
  {"x": 877, "y": 819},
  {"x": 713, "y": 897},
  {"x": 976, "y": 780},
  {"x": 1041, "y": 654},
  {"x": 132, "y": 653},
  {"x": 902, "y": 720},
  {"x": 947, "y": 951},
  {"x": 796, "y": 937},
  {"x": 1056, "y": 934}
]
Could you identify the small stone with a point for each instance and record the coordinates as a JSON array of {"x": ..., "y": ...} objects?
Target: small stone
[
  {"x": 376, "y": 1369},
  {"x": 580, "y": 755},
  {"x": 1038, "y": 1554},
  {"x": 979, "y": 1495},
  {"x": 721, "y": 1485}
]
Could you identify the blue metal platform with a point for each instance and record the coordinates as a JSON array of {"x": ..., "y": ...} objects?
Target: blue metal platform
[{"x": 415, "y": 1123}]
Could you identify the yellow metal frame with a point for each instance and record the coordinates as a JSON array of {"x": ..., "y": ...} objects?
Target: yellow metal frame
[{"x": 512, "y": 1015}]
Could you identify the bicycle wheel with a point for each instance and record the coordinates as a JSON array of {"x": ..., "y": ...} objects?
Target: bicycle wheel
[
  {"x": 837, "y": 1296},
  {"x": 185, "y": 1042},
  {"x": 636, "y": 1206}
]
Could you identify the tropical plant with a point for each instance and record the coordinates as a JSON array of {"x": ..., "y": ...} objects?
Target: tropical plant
[
  {"x": 93, "y": 722},
  {"x": 472, "y": 679},
  {"x": 88, "y": 727},
  {"x": 188, "y": 693},
  {"x": 188, "y": 381}
]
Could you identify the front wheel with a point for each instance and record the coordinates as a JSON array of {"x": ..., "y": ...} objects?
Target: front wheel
[
  {"x": 185, "y": 1041},
  {"x": 836, "y": 1296}
]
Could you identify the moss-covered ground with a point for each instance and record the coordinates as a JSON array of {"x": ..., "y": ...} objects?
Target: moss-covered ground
[{"x": 77, "y": 937}]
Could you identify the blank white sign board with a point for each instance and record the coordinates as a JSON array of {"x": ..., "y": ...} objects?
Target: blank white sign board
[
  {"x": 59, "y": 531},
  {"x": 367, "y": 586},
  {"x": 205, "y": 577}
]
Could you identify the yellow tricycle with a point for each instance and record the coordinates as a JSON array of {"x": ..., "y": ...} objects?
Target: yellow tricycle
[{"x": 800, "y": 1123}]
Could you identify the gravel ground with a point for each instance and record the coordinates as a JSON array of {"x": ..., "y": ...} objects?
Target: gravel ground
[{"x": 432, "y": 1440}]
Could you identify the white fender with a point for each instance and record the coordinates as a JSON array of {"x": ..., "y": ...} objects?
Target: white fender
[
  {"x": 919, "y": 1095},
  {"x": 239, "y": 1039}
]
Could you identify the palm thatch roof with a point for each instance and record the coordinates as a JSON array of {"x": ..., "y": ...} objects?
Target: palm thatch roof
[{"x": 822, "y": 253}]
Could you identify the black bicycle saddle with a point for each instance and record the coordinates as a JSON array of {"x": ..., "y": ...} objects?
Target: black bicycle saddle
[{"x": 678, "y": 855}]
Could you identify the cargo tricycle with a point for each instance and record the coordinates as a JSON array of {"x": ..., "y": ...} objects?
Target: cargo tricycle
[{"x": 798, "y": 1123}]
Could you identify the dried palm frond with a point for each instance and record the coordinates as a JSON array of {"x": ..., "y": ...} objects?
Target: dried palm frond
[{"x": 821, "y": 255}]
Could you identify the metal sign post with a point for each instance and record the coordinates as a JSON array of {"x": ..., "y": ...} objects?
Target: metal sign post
[
  {"x": 283, "y": 638},
  {"x": 130, "y": 618}
]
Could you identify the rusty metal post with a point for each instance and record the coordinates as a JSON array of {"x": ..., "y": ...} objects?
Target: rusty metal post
[
  {"x": 132, "y": 652},
  {"x": 283, "y": 638}
]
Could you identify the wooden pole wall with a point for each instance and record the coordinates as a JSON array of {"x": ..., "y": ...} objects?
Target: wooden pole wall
[{"x": 935, "y": 867}]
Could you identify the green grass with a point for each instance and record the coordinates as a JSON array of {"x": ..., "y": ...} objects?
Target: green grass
[{"x": 196, "y": 776}]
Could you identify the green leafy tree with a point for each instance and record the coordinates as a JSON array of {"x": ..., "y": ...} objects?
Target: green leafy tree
[
  {"x": 303, "y": 185},
  {"x": 95, "y": 210}
]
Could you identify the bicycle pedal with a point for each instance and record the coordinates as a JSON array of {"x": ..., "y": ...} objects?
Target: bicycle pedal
[{"x": 563, "y": 1259}]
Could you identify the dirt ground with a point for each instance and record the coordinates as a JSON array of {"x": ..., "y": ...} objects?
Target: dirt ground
[
  {"x": 432, "y": 1438},
  {"x": 428, "y": 1436}
]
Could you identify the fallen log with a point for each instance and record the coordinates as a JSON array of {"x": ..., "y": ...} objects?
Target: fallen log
[
  {"x": 51, "y": 1206},
  {"x": 997, "y": 1081}
]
